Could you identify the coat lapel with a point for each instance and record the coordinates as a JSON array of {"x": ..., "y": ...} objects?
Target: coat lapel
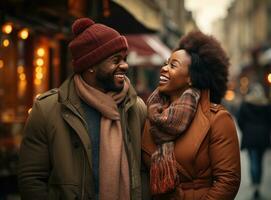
[
  {"x": 72, "y": 113},
  {"x": 186, "y": 148}
]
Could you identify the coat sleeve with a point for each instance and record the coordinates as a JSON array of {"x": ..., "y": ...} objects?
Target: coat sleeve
[
  {"x": 145, "y": 192},
  {"x": 142, "y": 112},
  {"x": 225, "y": 158},
  {"x": 33, "y": 171}
]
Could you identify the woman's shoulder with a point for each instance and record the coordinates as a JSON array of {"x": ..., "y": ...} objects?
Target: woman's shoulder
[{"x": 221, "y": 120}]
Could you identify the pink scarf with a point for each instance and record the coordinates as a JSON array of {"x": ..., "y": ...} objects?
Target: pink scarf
[{"x": 114, "y": 181}]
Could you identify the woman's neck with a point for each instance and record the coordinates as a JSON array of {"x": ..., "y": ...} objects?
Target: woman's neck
[{"x": 176, "y": 94}]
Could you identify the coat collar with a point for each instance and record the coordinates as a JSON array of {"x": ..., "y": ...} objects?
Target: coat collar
[
  {"x": 67, "y": 94},
  {"x": 73, "y": 113}
]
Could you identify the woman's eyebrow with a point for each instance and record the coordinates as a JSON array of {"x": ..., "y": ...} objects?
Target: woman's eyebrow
[{"x": 174, "y": 59}]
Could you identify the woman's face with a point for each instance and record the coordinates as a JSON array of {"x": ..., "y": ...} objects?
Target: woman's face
[{"x": 174, "y": 75}]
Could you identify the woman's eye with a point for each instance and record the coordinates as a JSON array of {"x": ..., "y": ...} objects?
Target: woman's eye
[{"x": 172, "y": 65}]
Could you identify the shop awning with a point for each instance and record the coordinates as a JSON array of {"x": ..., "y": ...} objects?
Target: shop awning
[
  {"x": 146, "y": 50},
  {"x": 124, "y": 21}
]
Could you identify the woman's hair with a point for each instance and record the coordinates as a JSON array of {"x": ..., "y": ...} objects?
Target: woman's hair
[{"x": 209, "y": 68}]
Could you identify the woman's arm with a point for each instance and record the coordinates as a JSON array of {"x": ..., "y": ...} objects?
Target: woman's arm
[{"x": 225, "y": 158}]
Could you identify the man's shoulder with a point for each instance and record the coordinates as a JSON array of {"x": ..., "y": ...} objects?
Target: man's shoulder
[
  {"x": 47, "y": 100},
  {"x": 140, "y": 104},
  {"x": 140, "y": 108},
  {"x": 49, "y": 93}
]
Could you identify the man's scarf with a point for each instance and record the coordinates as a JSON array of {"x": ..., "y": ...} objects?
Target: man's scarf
[
  {"x": 167, "y": 122},
  {"x": 114, "y": 181}
]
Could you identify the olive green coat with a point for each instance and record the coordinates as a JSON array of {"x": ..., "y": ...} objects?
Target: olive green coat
[{"x": 55, "y": 156}]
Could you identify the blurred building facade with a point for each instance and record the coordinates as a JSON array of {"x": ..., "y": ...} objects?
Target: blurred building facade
[{"x": 246, "y": 35}]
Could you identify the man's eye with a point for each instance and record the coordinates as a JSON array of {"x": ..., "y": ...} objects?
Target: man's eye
[{"x": 116, "y": 61}]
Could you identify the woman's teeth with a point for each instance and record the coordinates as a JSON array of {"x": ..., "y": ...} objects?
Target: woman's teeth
[{"x": 163, "y": 78}]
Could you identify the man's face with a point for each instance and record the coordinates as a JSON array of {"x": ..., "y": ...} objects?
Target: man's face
[{"x": 110, "y": 72}]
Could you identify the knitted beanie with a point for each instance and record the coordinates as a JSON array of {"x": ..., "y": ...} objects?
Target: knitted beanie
[{"x": 93, "y": 43}]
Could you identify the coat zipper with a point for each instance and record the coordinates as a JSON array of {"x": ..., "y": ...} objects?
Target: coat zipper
[{"x": 84, "y": 175}]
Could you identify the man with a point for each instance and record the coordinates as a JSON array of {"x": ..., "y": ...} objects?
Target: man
[{"x": 82, "y": 141}]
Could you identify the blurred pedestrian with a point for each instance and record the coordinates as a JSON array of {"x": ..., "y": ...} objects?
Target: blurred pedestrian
[
  {"x": 254, "y": 122},
  {"x": 190, "y": 142},
  {"x": 82, "y": 140}
]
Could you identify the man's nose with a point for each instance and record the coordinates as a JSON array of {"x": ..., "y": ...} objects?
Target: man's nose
[{"x": 124, "y": 65}]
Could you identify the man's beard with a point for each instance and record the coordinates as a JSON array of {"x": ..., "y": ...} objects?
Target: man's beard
[{"x": 107, "y": 82}]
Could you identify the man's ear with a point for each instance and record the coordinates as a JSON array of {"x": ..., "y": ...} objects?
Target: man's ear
[{"x": 189, "y": 81}]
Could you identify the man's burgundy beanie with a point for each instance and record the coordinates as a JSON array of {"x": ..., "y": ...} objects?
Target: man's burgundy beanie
[{"x": 93, "y": 43}]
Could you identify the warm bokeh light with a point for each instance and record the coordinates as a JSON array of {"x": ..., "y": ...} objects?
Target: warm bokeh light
[
  {"x": 244, "y": 81},
  {"x": 38, "y": 69},
  {"x": 6, "y": 43},
  {"x": 40, "y": 52},
  {"x": 269, "y": 78},
  {"x": 23, "y": 34},
  {"x": 39, "y": 61},
  {"x": 20, "y": 69},
  {"x": 22, "y": 76},
  {"x": 39, "y": 76},
  {"x": 37, "y": 81},
  {"x": 230, "y": 95},
  {"x": 1, "y": 64},
  {"x": 7, "y": 28}
]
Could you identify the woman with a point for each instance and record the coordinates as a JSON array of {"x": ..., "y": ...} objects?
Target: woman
[
  {"x": 254, "y": 122},
  {"x": 189, "y": 141}
]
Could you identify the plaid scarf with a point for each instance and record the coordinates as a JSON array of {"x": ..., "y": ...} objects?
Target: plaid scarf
[{"x": 167, "y": 122}]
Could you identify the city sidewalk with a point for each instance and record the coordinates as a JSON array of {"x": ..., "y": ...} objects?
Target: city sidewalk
[{"x": 245, "y": 191}]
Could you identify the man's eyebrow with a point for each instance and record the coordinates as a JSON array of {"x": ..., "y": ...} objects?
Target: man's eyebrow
[{"x": 115, "y": 56}]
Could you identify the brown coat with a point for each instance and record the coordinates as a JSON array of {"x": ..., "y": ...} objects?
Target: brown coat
[{"x": 207, "y": 153}]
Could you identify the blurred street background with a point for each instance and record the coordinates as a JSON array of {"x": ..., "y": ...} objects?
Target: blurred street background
[{"x": 34, "y": 57}]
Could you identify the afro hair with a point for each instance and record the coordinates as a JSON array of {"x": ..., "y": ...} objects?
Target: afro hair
[{"x": 213, "y": 72}]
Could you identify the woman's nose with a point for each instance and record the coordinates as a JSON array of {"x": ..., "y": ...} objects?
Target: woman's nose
[{"x": 164, "y": 68}]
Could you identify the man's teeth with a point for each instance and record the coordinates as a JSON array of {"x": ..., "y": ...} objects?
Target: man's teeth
[
  {"x": 119, "y": 75},
  {"x": 163, "y": 78}
]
